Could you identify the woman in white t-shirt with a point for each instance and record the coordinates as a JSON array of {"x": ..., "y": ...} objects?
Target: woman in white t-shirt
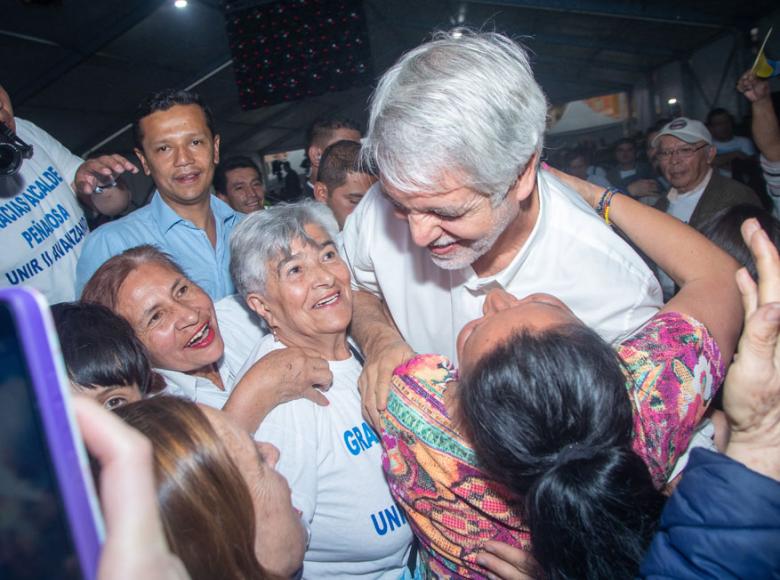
[{"x": 286, "y": 266}]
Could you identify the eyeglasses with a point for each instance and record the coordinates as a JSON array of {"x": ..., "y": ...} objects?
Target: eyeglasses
[{"x": 681, "y": 152}]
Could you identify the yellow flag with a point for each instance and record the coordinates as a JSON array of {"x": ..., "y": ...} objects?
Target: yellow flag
[{"x": 762, "y": 67}]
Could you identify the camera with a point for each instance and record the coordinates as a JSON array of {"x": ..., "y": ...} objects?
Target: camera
[{"x": 12, "y": 151}]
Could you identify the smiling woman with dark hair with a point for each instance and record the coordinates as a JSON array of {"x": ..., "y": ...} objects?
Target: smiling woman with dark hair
[{"x": 177, "y": 323}]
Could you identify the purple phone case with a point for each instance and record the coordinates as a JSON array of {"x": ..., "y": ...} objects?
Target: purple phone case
[{"x": 36, "y": 331}]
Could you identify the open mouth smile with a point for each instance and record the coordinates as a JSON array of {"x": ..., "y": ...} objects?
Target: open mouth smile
[
  {"x": 203, "y": 338},
  {"x": 328, "y": 301}
]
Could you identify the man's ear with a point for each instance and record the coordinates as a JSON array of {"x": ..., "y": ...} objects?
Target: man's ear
[
  {"x": 526, "y": 181},
  {"x": 142, "y": 159},
  {"x": 216, "y": 149},
  {"x": 258, "y": 304},
  {"x": 712, "y": 151},
  {"x": 314, "y": 153},
  {"x": 222, "y": 196},
  {"x": 320, "y": 192}
]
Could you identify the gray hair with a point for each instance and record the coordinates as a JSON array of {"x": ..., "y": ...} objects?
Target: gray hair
[
  {"x": 267, "y": 235},
  {"x": 467, "y": 102}
]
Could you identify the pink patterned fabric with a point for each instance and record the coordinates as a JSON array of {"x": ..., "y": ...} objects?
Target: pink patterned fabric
[{"x": 673, "y": 368}]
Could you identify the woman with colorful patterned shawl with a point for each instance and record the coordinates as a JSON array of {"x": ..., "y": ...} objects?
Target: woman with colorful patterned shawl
[{"x": 575, "y": 465}]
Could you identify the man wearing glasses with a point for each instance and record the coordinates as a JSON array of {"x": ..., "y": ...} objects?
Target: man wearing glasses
[{"x": 685, "y": 152}]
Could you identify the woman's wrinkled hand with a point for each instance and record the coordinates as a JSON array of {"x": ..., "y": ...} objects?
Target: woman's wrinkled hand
[{"x": 293, "y": 373}]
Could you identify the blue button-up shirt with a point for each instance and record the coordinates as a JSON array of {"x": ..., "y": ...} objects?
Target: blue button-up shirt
[{"x": 157, "y": 224}]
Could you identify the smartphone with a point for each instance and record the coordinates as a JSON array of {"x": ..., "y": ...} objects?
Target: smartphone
[{"x": 50, "y": 522}]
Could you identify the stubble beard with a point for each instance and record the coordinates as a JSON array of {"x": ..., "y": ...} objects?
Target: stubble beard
[{"x": 504, "y": 213}]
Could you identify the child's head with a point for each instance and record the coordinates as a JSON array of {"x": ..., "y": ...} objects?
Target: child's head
[{"x": 103, "y": 357}]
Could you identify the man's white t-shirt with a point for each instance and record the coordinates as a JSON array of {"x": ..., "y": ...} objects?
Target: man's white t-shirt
[
  {"x": 682, "y": 206},
  {"x": 571, "y": 253},
  {"x": 736, "y": 143},
  {"x": 771, "y": 171},
  {"x": 332, "y": 460},
  {"x": 41, "y": 224}
]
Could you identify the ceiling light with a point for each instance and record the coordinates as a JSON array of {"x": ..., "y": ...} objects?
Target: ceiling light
[
  {"x": 180, "y": 3},
  {"x": 672, "y": 101}
]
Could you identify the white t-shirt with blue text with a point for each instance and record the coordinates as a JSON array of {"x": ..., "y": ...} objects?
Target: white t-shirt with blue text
[
  {"x": 42, "y": 226},
  {"x": 333, "y": 461}
]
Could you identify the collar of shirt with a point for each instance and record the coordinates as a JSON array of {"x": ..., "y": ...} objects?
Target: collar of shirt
[
  {"x": 193, "y": 387},
  {"x": 675, "y": 196},
  {"x": 477, "y": 285},
  {"x": 167, "y": 217}
]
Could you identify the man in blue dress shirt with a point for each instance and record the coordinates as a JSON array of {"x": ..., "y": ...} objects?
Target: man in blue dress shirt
[{"x": 177, "y": 146}]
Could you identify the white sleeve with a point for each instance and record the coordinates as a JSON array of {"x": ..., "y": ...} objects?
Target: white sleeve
[
  {"x": 357, "y": 240},
  {"x": 66, "y": 162},
  {"x": 240, "y": 328},
  {"x": 292, "y": 428},
  {"x": 747, "y": 146}
]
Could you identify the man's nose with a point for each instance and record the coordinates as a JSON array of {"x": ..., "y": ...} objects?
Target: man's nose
[
  {"x": 424, "y": 228},
  {"x": 183, "y": 156}
]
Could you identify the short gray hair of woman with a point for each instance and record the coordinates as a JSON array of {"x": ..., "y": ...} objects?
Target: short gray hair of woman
[
  {"x": 467, "y": 102},
  {"x": 267, "y": 235}
]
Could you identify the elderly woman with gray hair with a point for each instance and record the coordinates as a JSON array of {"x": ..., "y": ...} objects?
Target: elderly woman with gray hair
[{"x": 286, "y": 266}]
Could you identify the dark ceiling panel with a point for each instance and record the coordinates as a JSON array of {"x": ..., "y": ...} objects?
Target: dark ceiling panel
[{"x": 80, "y": 67}]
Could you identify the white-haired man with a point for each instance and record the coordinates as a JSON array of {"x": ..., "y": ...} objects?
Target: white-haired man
[
  {"x": 456, "y": 127},
  {"x": 686, "y": 151}
]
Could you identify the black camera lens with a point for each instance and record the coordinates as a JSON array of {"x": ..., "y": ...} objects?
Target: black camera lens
[
  {"x": 10, "y": 159},
  {"x": 12, "y": 151}
]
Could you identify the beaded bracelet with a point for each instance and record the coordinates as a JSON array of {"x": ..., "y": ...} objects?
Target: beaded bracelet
[{"x": 602, "y": 208}]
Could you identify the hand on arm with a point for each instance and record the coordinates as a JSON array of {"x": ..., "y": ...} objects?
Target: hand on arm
[
  {"x": 726, "y": 159},
  {"x": 505, "y": 562},
  {"x": 280, "y": 376},
  {"x": 766, "y": 130},
  {"x": 135, "y": 543},
  {"x": 100, "y": 171},
  {"x": 643, "y": 187},
  {"x": 752, "y": 389},
  {"x": 704, "y": 272},
  {"x": 384, "y": 349}
]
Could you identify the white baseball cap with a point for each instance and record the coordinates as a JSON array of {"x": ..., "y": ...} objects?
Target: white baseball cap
[{"x": 688, "y": 130}]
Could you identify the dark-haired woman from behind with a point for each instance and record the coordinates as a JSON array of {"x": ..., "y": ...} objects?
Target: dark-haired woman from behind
[
  {"x": 226, "y": 512},
  {"x": 103, "y": 357},
  {"x": 576, "y": 439}
]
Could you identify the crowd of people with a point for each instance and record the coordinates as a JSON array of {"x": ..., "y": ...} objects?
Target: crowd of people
[{"x": 447, "y": 358}]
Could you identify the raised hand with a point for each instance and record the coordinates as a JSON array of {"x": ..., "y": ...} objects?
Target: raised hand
[
  {"x": 101, "y": 172},
  {"x": 752, "y": 389}
]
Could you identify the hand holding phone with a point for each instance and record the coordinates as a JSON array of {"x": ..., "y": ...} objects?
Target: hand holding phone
[{"x": 50, "y": 525}]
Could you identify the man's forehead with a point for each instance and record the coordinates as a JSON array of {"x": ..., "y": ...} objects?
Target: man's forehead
[
  {"x": 242, "y": 174},
  {"x": 177, "y": 116}
]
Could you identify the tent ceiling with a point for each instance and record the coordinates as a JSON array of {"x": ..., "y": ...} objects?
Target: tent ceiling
[{"x": 78, "y": 67}]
